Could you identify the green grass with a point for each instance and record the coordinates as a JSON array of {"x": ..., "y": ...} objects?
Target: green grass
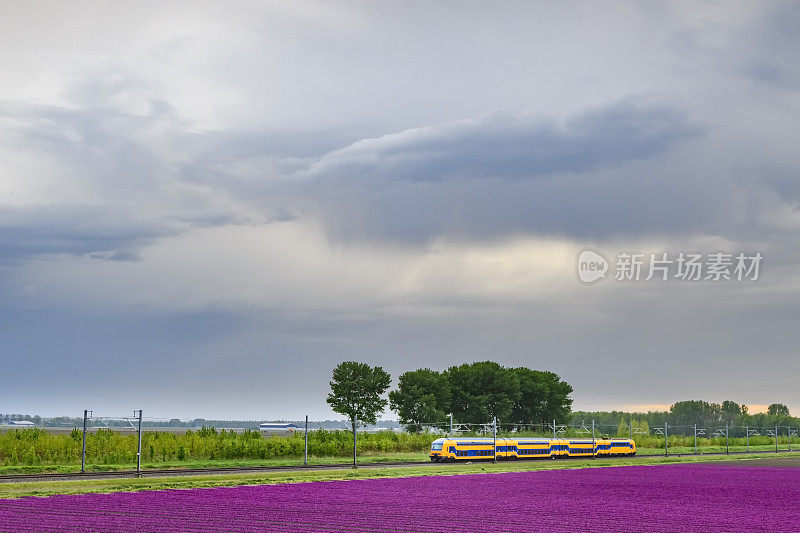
[
  {"x": 39, "y": 449},
  {"x": 316, "y": 460},
  {"x": 207, "y": 463},
  {"x": 48, "y": 488},
  {"x": 717, "y": 449},
  {"x": 35, "y": 450}
]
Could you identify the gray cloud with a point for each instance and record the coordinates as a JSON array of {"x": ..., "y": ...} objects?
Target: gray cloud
[
  {"x": 769, "y": 56},
  {"x": 155, "y": 177},
  {"x": 618, "y": 170},
  {"x": 103, "y": 182},
  {"x": 73, "y": 230},
  {"x": 759, "y": 50},
  {"x": 590, "y": 175},
  {"x": 515, "y": 146}
]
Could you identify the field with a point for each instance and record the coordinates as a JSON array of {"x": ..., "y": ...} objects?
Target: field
[
  {"x": 673, "y": 497},
  {"x": 183, "y": 481},
  {"x": 35, "y": 450}
]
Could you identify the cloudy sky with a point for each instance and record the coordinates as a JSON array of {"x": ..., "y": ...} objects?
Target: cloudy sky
[{"x": 204, "y": 207}]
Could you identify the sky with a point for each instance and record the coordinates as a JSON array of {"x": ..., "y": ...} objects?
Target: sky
[{"x": 204, "y": 207}]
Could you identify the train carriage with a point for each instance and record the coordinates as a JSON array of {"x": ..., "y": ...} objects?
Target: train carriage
[
  {"x": 602, "y": 447},
  {"x": 463, "y": 449},
  {"x": 581, "y": 447},
  {"x": 622, "y": 447},
  {"x": 533, "y": 448},
  {"x": 466, "y": 449}
]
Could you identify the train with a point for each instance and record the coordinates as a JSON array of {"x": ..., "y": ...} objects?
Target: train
[{"x": 469, "y": 449}]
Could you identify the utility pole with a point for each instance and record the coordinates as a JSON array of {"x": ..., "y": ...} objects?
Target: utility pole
[
  {"x": 594, "y": 445},
  {"x": 631, "y": 428},
  {"x": 554, "y": 428},
  {"x": 666, "y": 440},
  {"x": 451, "y": 424},
  {"x": 726, "y": 440},
  {"x": 494, "y": 445},
  {"x": 747, "y": 437},
  {"x": 695, "y": 439},
  {"x": 355, "y": 439},
  {"x": 139, "y": 447},
  {"x": 776, "y": 439},
  {"x": 83, "y": 448},
  {"x": 305, "y": 446}
]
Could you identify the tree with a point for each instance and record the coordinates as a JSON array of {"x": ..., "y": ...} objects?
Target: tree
[
  {"x": 532, "y": 403},
  {"x": 778, "y": 409},
  {"x": 624, "y": 430},
  {"x": 482, "y": 391},
  {"x": 690, "y": 412},
  {"x": 543, "y": 397},
  {"x": 421, "y": 396},
  {"x": 356, "y": 391},
  {"x": 558, "y": 404},
  {"x": 731, "y": 412}
]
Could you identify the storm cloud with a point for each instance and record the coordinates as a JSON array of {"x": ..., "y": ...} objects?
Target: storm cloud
[{"x": 506, "y": 146}]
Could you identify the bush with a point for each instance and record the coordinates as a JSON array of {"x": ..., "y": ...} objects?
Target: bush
[{"x": 105, "y": 446}]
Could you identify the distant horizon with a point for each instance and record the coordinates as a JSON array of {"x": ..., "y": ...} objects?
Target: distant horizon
[{"x": 752, "y": 409}]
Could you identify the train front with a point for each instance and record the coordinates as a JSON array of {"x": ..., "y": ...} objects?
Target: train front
[{"x": 436, "y": 450}]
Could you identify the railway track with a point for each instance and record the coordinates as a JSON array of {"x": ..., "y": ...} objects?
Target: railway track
[{"x": 71, "y": 476}]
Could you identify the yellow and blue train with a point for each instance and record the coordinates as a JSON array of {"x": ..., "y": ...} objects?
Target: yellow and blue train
[{"x": 460, "y": 449}]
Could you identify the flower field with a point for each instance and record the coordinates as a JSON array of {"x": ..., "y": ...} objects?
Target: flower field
[{"x": 639, "y": 498}]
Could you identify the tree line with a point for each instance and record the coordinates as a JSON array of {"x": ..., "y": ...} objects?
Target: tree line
[
  {"x": 477, "y": 393},
  {"x": 474, "y": 393},
  {"x": 690, "y": 412}
]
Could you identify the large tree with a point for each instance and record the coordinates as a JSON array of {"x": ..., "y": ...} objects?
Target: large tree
[
  {"x": 531, "y": 406},
  {"x": 356, "y": 391},
  {"x": 731, "y": 412},
  {"x": 778, "y": 409},
  {"x": 558, "y": 404},
  {"x": 421, "y": 396},
  {"x": 481, "y": 391},
  {"x": 689, "y": 412}
]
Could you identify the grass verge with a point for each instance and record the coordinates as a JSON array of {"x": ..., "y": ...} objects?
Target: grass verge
[
  {"x": 49, "y": 488},
  {"x": 318, "y": 460},
  {"x": 208, "y": 463},
  {"x": 714, "y": 449}
]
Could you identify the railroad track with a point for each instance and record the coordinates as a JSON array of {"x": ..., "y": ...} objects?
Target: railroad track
[{"x": 70, "y": 476}]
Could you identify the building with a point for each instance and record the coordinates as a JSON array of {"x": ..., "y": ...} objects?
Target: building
[
  {"x": 20, "y": 424},
  {"x": 269, "y": 426}
]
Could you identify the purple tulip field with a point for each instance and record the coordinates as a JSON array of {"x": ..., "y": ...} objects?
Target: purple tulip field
[{"x": 638, "y": 498}]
